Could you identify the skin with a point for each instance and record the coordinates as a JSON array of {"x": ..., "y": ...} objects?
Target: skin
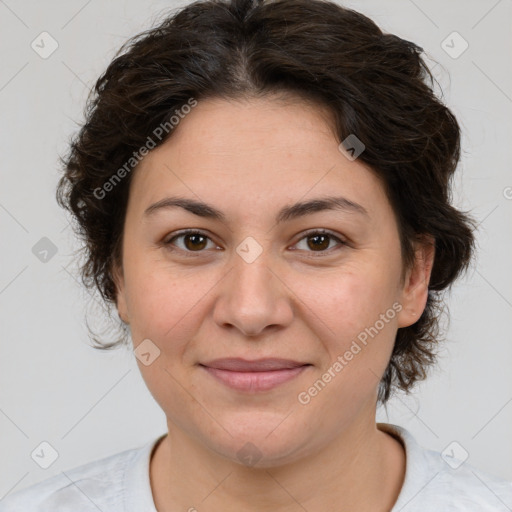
[{"x": 249, "y": 159}]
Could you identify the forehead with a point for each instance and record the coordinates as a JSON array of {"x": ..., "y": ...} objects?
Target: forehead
[{"x": 261, "y": 150}]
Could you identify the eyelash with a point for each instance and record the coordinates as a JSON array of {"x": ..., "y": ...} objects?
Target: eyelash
[{"x": 168, "y": 244}]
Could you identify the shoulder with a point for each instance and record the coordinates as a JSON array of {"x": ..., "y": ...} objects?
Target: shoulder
[
  {"x": 97, "y": 485},
  {"x": 442, "y": 481}
]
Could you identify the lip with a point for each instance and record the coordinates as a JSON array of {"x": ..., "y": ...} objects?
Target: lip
[
  {"x": 256, "y": 375},
  {"x": 238, "y": 364}
]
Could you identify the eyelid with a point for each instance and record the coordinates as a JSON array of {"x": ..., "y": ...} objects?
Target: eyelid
[
  {"x": 320, "y": 231},
  {"x": 189, "y": 231}
]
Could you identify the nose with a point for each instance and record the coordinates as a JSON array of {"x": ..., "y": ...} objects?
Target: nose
[{"x": 253, "y": 297}]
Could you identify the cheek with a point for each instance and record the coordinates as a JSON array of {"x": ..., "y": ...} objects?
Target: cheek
[
  {"x": 352, "y": 299},
  {"x": 358, "y": 344},
  {"x": 357, "y": 308},
  {"x": 165, "y": 309},
  {"x": 167, "y": 305},
  {"x": 151, "y": 301}
]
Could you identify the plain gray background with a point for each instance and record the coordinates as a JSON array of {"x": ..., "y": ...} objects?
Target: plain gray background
[{"x": 89, "y": 404}]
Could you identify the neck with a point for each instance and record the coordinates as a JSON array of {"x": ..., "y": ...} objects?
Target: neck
[{"x": 361, "y": 469}]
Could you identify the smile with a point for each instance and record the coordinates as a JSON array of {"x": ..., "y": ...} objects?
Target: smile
[{"x": 254, "y": 381}]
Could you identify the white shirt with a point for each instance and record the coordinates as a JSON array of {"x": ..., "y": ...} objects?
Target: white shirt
[{"x": 120, "y": 483}]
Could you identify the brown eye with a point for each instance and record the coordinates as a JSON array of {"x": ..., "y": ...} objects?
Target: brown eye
[
  {"x": 319, "y": 241},
  {"x": 192, "y": 241},
  {"x": 195, "y": 241}
]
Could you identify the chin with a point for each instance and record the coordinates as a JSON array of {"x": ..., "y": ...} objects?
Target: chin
[{"x": 259, "y": 443}]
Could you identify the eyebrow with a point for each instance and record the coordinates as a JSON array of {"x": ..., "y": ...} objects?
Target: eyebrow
[{"x": 287, "y": 213}]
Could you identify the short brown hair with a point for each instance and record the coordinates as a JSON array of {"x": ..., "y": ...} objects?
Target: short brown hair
[{"x": 376, "y": 86}]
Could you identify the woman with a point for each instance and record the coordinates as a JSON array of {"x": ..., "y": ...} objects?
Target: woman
[{"x": 262, "y": 189}]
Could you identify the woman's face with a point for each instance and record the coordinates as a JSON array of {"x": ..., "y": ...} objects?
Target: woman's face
[{"x": 255, "y": 284}]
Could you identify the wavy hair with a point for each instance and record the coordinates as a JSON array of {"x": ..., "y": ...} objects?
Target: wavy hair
[{"x": 376, "y": 85}]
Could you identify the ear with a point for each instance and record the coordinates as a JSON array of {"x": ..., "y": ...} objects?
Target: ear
[
  {"x": 122, "y": 309},
  {"x": 414, "y": 292}
]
